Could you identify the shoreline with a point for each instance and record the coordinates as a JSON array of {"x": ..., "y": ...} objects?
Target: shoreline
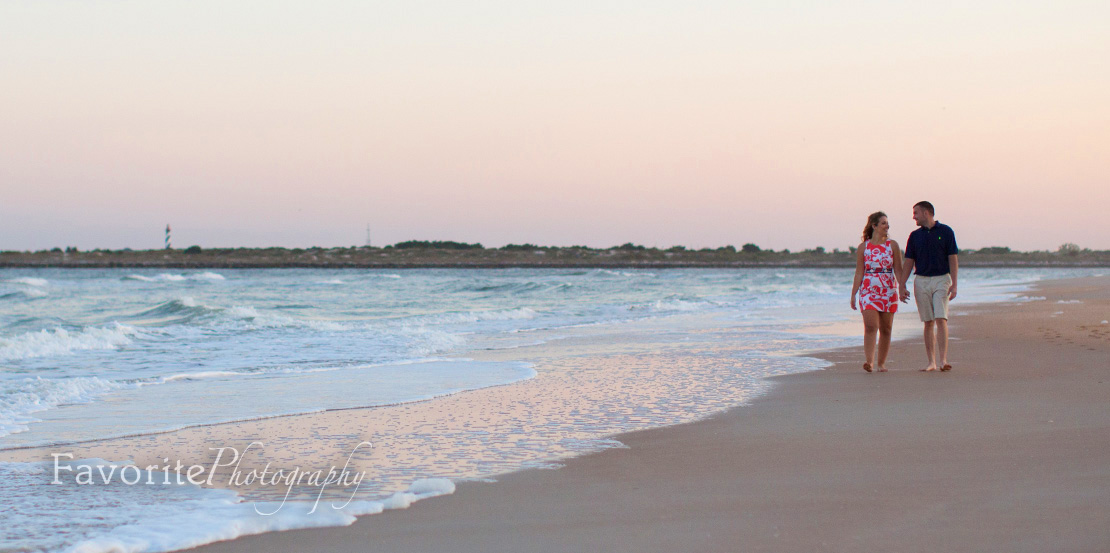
[{"x": 831, "y": 460}]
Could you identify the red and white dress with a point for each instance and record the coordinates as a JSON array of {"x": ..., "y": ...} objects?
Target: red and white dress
[{"x": 879, "y": 290}]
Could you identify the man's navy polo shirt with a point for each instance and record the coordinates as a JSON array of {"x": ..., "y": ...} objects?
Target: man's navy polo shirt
[{"x": 929, "y": 249}]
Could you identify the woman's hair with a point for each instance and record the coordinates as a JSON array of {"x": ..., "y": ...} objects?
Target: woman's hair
[{"x": 872, "y": 220}]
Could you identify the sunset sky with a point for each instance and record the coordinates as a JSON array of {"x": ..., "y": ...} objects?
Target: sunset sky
[{"x": 559, "y": 123}]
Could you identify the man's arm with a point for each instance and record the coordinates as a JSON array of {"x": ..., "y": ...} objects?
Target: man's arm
[
  {"x": 953, "y": 263},
  {"x": 954, "y": 269},
  {"x": 907, "y": 268}
]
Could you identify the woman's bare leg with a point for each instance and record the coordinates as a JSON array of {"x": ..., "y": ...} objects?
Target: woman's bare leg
[
  {"x": 886, "y": 325},
  {"x": 870, "y": 330}
]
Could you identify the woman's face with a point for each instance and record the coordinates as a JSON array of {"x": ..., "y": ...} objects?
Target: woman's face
[{"x": 882, "y": 228}]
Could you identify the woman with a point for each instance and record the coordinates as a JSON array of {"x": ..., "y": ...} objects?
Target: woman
[{"x": 878, "y": 268}]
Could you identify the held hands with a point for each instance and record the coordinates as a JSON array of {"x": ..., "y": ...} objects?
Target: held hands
[
  {"x": 952, "y": 292},
  {"x": 853, "y": 302},
  {"x": 903, "y": 293}
]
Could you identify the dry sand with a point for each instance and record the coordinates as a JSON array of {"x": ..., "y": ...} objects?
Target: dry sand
[{"x": 1008, "y": 452}]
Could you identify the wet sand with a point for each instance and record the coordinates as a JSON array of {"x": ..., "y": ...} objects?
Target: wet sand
[{"x": 1008, "y": 452}]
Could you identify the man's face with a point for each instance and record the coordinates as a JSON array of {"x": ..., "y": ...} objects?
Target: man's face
[{"x": 920, "y": 216}]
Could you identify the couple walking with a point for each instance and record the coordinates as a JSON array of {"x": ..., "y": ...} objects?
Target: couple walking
[{"x": 880, "y": 283}]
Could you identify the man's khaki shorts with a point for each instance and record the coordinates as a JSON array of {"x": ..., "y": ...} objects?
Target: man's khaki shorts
[{"x": 932, "y": 296}]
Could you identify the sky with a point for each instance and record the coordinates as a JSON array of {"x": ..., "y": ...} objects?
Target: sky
[{"x": 703, "y": 124}]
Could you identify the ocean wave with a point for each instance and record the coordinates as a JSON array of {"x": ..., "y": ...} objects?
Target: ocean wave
[
  {"x": 28, "y": 294},
  {"x": 172, "y": 277},
  {"x": 252, "y": 316},
  {"x": 59, "y": 341},
  {"x": 20, "y": 398},
  {"x": 29, "y": 281},
  {"x": 608, "y": 272},
  {"x": 673, "y": 305},
  {"x": 462, "y": 317},
  {"x": 795, "y": 288},
  {"x": 432, "y": 342},
  {"x": 508, "y": 287},
  {"x": 179, "y": 310},
  {"x": 156, "y": 278},
  {"x": 186, "y": 310}
]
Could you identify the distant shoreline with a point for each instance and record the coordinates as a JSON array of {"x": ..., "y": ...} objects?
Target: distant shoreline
[{"x": 625, "y": 257}]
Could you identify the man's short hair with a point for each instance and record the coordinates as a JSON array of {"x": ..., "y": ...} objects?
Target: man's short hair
[{"x": 927, "y": 207}]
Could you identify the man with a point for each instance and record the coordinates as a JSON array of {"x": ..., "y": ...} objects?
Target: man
[{"x": 932, "y": 249}]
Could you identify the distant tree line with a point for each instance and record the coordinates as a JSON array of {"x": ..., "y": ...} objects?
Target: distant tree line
[
  {"x": 1067, "y": 249},
  {"x": 435, "y": 245}
]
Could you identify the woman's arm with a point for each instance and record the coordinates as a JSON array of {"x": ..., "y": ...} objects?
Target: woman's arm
[
  {"x": 859, "y": 273},
  {"x": 897, "y": 265}
]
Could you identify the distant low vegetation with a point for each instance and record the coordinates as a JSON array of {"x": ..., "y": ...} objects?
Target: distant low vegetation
[
  {"x": 993, "y": 250},
  {"x": 1069, "y": 249},
  {"x": 436, "y": 245},
  {"x": 519, "y": 247}
]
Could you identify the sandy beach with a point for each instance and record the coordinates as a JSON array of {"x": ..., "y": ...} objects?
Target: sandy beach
[{"x": 1005, "y": 453}]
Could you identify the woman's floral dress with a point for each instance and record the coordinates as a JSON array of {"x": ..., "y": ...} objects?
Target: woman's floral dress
[{"x": 879, "y": 290}]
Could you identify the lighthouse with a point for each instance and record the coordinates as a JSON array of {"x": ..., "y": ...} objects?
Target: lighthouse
[{"x": 169, "y": 243}]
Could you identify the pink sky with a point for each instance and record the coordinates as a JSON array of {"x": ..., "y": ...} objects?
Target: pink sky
[{"x": 594, "y": 123}]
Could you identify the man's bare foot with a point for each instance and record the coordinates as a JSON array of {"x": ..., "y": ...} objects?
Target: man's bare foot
[
  {"x": 946, "y": 367},
  {"x": 929, "y": 368},
  {"x": 867, "y": 367},
  {"x": 882, "y": 369}
]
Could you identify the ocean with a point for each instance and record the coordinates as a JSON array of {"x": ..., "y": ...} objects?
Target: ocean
[{"x": 87, "y": 355}]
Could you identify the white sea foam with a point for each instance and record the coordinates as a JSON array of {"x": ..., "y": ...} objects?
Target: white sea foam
[
  {"x": 200, "y": 375},
  {"x": 430, "y": 341},
  {"x": 622, "y": 273},
  {"x": 1069, "y": 301},
  {"x": 462, "y": 317},
  {"x": 332, "y": 281},
  {"x": 59, "y": 341},
  {"x": 173, "y": 277},
  {"x": 674, "y": 304},
  {"x": 20, "y": 398},
  {"x": 383, "y": 275},
  {"x": 29, "y": 281},
  {"x": 206, "y": 375}
]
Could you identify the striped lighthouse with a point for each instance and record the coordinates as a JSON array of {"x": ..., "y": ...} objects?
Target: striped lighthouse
[{"x": 169, "y": 242}]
